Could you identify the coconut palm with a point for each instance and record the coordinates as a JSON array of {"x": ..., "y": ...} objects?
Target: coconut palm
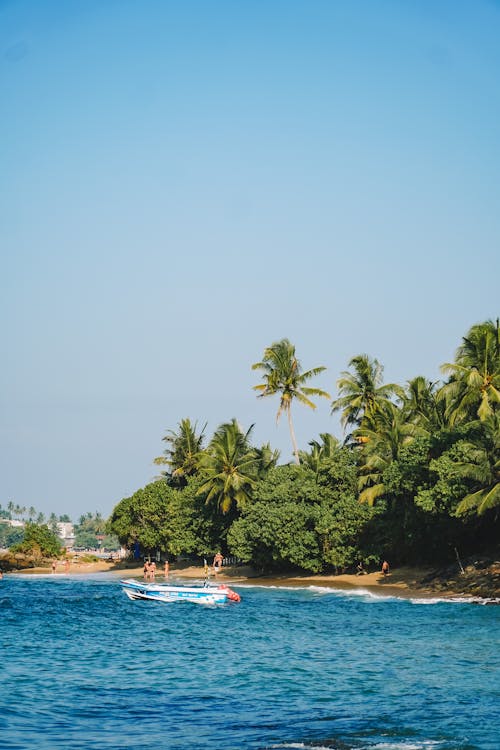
[
  {"x": 381, "y": 444},
  {"x": 182, "y": 455},
  {"x": 483, "y": 469},
  {"x": 267, "y": 458},
  {"x": 319, "y": 451},
  {"x": 283, "y": 375},
  {"x": 362, "y": 393},
  {"x": 423, "y": 407},
  {"x": 473, "y": 389},
  {"x": 230, "y": 465}
]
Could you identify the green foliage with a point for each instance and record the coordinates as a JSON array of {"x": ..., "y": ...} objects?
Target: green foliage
[
  {"x": 230, "y": 467},
  {"x": 283, "y": 375},
  {"x": 87, "y": 530},
  {"x": 445, "y": 486},
  {"x": 299, "y": 522},
  {"x": 158, "y": 517},
  {"x": 183, "y": 452},
  {"x": 363, "y": 394},
  {"x": 473, "y": 389},
  {"x": 38, "y": 541},
  {"x": 418, "y": 475},
  {"x": 10, "y": 535}
]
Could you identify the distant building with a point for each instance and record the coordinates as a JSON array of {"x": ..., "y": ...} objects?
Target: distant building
[
  {"x": 13, "y": 522},
  {"x": 66, "y": 533}
]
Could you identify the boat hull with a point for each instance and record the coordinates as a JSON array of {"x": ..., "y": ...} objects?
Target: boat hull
[{"x": 171, "y": 593}]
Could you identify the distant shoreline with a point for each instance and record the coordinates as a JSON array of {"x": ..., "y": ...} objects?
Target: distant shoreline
[{"x": 402, "y": 582}]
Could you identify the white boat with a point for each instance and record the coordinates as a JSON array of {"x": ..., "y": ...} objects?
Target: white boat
[{"x": 164, "y": 592}]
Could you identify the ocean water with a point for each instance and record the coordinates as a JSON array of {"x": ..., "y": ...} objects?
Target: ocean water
[{"x": 83, "y": 667}]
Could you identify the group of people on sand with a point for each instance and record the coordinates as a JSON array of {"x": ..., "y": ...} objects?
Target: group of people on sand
[
  {"x": 150, "y": 570},
  {"x": 360, "y": 571},
  {"x": 66, "y": 565}
]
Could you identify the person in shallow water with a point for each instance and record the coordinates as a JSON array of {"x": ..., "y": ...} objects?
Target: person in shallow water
[{"x": 385, "y": 567}]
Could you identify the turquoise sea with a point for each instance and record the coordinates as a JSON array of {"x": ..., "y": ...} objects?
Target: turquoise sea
[{"x": 83, "y": 667}]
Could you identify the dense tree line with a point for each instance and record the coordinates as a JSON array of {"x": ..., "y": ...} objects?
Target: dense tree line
[{"x": 416, "y": 477}]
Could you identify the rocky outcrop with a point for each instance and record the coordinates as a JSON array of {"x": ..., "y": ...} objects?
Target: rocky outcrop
[
  {"x": 19, "y": 561},
  {"x": 477, "y": 577}
]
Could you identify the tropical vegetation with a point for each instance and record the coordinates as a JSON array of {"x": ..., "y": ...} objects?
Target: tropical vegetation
[{"x": 415, "y": 475}]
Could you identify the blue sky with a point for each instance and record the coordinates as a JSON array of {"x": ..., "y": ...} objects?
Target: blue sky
[{"x": 184, "y": 183}]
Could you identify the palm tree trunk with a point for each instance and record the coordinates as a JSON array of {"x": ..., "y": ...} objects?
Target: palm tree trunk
[{"x": 292, "y": 435}]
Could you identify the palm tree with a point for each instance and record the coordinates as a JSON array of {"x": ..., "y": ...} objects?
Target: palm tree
[
  {"x": 483, "y": 469},
  {"x": 319, "y": 451},
  {"x": 381, "y": 445},
  {"x": 423, "y": 407},
  {"x": 267, "y": 458},
  {"x": 362, "y": 393},
  {"x": 283, "y": 375},
  {"x": 52, "y": 524},
  {"x": 182, "y": 455},
  {"x": 473, "y": 389},
  {"x": 230, "y": 465}
]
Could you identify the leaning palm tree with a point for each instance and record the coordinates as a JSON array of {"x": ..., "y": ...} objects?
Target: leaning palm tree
[
  {"x": 182, "y": 455},
  {"x": 362, "y": 393},
  {"x": 230, "y": 466},
  {"x": 283, "y": 375},
  {"x": 473, "y": 389}
]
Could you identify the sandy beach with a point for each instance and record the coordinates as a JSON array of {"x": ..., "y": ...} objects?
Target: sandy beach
[{"x": 402, "y": 582}]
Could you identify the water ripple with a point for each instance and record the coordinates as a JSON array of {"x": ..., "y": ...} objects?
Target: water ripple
[{"x": 84, "y": 668}]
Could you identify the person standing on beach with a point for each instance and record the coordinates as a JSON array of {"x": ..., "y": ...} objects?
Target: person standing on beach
[
  {"x": 66, "y": 565},
  {"x": 385, "y": 567},
  {"x": 54, "y": 563},
  {"x": 152, "y": 570},
  {"x": 146, "y": 570},
  {"x": 218, "y": 562},
  {"x": 166, "y": 569}
]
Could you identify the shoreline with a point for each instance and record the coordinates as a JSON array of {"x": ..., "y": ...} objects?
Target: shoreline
[{"x": 403, "y": 582}]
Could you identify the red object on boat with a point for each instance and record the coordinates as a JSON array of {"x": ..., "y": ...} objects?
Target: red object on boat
[{"x": 232, "y": 595}]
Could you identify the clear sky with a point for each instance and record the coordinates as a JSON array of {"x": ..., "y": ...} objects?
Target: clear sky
[{"x": 184, "y": 182}]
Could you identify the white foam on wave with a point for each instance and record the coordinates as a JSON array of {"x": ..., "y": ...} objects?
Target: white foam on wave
[
  {"x": 359, "y": 592},
  {"x": 455, "y": 600},
  {"x": 326, "y": 590},
  {"x": 372, "y": 596},
  {"x": 404, "y": 745}
]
